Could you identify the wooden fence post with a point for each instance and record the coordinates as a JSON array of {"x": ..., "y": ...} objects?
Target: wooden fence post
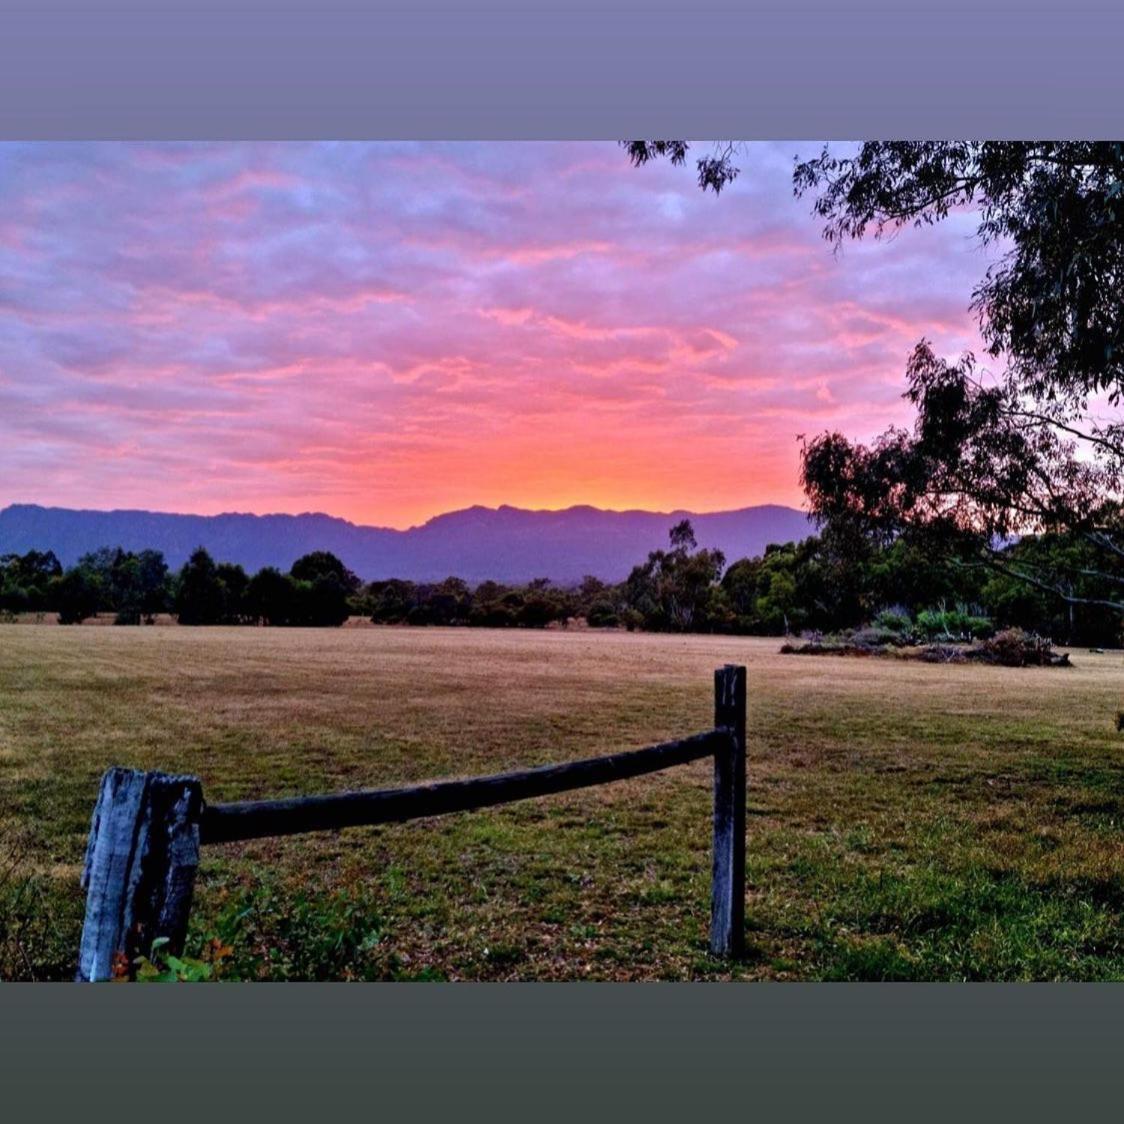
[
  {"x": 140, "y": 869},
  {"x": 727, "y": 901}
]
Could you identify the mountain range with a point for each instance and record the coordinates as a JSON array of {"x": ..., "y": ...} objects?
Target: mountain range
[{"x": 507, "y": 544}]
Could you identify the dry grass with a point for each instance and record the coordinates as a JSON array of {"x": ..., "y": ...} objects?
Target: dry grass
[{"x": 906, "y": 820}]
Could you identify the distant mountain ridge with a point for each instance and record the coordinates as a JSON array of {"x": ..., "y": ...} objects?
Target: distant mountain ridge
[{"x": 506, "y": 544}]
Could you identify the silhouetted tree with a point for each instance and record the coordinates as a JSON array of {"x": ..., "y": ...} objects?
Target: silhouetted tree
[
  {"x": 200, "y": 595},
  {"x": 234, "y": 581},
  {"x": 154, "y": 592},
  {"x": 671, "y": 591},
  {"x": 323, "y": 602},
  {"x": 450, "y": 602},
  {"x": 25, "y": 580},
  {"x": 270, "y": 598},
  {"x": 75, "y": 595},
  {"x": 391, "y": 601},
  {"x": 321, "y": 563}
]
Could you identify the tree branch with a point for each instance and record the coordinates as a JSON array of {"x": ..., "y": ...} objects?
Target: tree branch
[{"x": 1069, "y": 598}]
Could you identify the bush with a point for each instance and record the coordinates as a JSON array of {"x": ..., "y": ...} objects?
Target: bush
[
  {"x": 895, "y": 621},
  {"x": 632, "y": 619},
  {"x": 602, "y": 615},
  {"x": 14, "y": 599},
  {"x": 1014, "y": 648},
  {"x": 875, "y": 637},
  {"x": 1011, "y": 648},
  {"x": 953, "y": 624}
]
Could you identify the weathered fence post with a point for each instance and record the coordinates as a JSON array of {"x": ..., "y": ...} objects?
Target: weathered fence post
[
  {"x": 140, "y": 869},
  {"x": 143, "y": 848},
  {"x": 727, "y": 901}
]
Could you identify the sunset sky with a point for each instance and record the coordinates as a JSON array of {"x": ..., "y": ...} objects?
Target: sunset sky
[{"x": 388, "y": 331}]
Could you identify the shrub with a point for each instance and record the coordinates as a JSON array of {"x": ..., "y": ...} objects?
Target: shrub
[
  {"x": 953, "y": 624},
  {"x": 894, "y": 620},
  {"x": 14, "y": 599},
  {"x": 1014, "y": 648},
  {"x": 163, "y": 967},
  {"x": 602, "y": 615},
  {"x": 632, "y": 619},
  {"x": 1011, "y": 648},
  {"x": 875, "y": 637}
]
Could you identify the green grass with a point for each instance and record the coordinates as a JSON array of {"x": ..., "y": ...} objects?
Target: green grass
[{"x": 906, "y": 821}]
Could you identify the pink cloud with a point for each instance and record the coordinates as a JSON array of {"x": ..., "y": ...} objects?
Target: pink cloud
[{"x": 388, "y": 331}]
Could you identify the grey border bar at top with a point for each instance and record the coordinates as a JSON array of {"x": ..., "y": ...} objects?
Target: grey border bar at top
[{"x": 558, "y": 69}]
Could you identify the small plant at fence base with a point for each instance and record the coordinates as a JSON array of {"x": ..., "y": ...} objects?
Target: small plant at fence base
[
  {"x": 147, "y": 829},
  {"x": 162, "y": 966}
]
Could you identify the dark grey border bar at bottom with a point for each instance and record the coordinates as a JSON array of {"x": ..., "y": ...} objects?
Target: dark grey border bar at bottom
[{"x": 598, "y": 1051}]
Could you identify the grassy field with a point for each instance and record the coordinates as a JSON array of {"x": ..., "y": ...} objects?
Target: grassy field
[{"x": 906, "y": 821}]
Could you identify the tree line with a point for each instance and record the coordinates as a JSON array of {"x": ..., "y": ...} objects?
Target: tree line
[
  {"x": 318, "y": 590},
  {"x": 835, "y": 580}
]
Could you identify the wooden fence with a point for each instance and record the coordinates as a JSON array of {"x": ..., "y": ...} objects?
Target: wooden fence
[{"x": 147, "y": 828}]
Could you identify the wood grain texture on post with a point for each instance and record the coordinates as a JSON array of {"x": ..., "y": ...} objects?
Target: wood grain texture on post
[
  {"x": 139, "y": 873},
  {"x": 727, "y": 903}
]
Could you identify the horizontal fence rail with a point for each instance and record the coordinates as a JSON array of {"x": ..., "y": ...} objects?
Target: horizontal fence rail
[
  {"x": 146, "y": 830},
  {"x": 255, "y": 819}
]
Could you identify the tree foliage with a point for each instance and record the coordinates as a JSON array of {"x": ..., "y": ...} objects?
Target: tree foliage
[
  {"x": 323, "y": 564},
  {"x": 1051, "y": 305},
  {"x": 1034, "y": 450},
  {"x": 715, "y": 170},
  {"x": 200, "y": 597},
  {"x": 673, "y": 589},
  {"x": 25, "y": 580},
  {"x": 75, "y": 595},
  {"x": 1037, "y": 448},
  {"x": 134, "y": 586}
]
